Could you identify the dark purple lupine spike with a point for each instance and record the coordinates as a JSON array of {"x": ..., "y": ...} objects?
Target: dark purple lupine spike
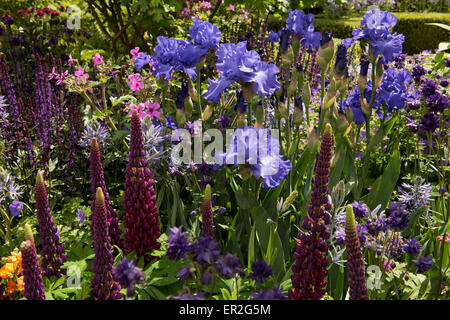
[
  {"x": 311, "y": 253},
  {"x": 102, "y": 283},
  {"x": 141, "y": 219},
  {"x": 98, "y": 180},
  {"x": 207, "y": 217},
  {"x": 355, "y": 263},
  {"x": 32, "y": 278},
  {"x": 52, "y": 253}
]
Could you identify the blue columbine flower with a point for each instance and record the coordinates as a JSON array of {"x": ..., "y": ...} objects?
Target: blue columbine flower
[
  {"x": 80, "y": 215},
  {"x": 16, "y": 208},
  {"x": 237, "y": 64},
  {"x": 260, "y": 271},
  {"x": 273, "y": 36},
  {"x": 205, "y": 35},
  {"x": 128, "y": 275},
  {"x": 424, "y": 264},
  {"x": 177, "y": 244},
  {"x": 228, "y": 266},
  {"x": 205, "y": 250},
  {"x": 413, "y": 247},
  {"x": 270, "y": 294}
]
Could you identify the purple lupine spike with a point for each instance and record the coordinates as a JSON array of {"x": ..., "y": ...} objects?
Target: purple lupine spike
[
  {"x": 141, "y": 219},
  {"x": 207, "y": 218},
  {"x": 103, "y": 285},
  {"x": 311, "y": 253},
  {"x": 32, "y": 278},
  {"x": 98, "y": 180},
  {"x": 355, "y": 264},
  {"x": 52, "y": 253}
]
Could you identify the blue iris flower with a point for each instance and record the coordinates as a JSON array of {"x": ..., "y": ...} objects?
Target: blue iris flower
[{"x": 237, "y": 64}]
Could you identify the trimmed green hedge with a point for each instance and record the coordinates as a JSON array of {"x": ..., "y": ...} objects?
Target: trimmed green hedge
[{"x": 418, "y": 36}]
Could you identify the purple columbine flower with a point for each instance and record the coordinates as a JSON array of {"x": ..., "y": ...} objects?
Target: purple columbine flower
[
  {"x": 360, "y": 209},
  {"x": 81, "y": 215},
  {"x": 260, "y": 271},
  {"x": 185, "y": 296},
  {"x": 52, "y": 253},
  {"x": 398, "y": 216},
  {"x": 429, "y": 122},
  {"x": 417, "y": 72},
  {"x": 205, "y": 250},
  {"x": 228, "y": 266},
  {"x": 413, "y": 247},
  {"x": 273, "y": 36},
  {"x": 270, "y": 294},
  {"x": 428, "y": 88},
  {"x": 103, "y": 285},
  {"x": 128, "y": 275},
  {"x": 184, "y": 273},
  {"x": 177, "y": 244},
  {"x": 424, "y": 264}
]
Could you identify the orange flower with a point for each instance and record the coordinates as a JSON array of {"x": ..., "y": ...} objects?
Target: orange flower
[{"x": 11, "y": 287}]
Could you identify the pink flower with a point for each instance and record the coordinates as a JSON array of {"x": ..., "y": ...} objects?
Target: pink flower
[
  {"x": 98, "y": 59},
  {"x": 152, "y": 110},
  {"x": 135, "y": 82},
  {"x": 386, "y": 265},
  {"x": 53, "y": 74},
  {"x": 206, "y": 4},
  {"x": 244, "y": 14},
  {"x": 135, "y": 52},
  {"x": 70, "y": 60},
  {"x": 81, "y": 75},
  {"x": 61, "y": 77},
  {"x": 140, "y": 109},
  {"x": 231, "y": 7}
]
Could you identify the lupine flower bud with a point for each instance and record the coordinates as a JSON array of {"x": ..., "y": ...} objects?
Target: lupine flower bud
[
  {"x": 207, "y": 218},
  {"x": 32, "y": 278},
  {"x": 52, "y": 249},
  {"x": 141, "y": 219},
  {"x": 356, "y": 277},
  {"x": 311, "y": 258},
  {"x": 98, "y": 180},
  {"x": 289, "y": 200},
  {"x": 102, "y": 283},
  {"x": 207, "y": 113}
]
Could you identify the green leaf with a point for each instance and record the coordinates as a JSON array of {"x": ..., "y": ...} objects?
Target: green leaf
[
  {"x": 251, "y": 246},
  {"x": 385, "y": 184}
]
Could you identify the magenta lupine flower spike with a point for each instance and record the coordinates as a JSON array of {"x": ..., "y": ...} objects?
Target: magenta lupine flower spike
[
  {"x": 98, "y": 180},
  {"x": 207, "y": 218},
  {"x": 355, "y": 263},
  {"x": 32, "y": 277},
  {"x": 52, "y": 252},
  {"x": 311, "y": 253},
  {"x": 102, "y": 283},
  {"x": 141, "y": 219}
]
